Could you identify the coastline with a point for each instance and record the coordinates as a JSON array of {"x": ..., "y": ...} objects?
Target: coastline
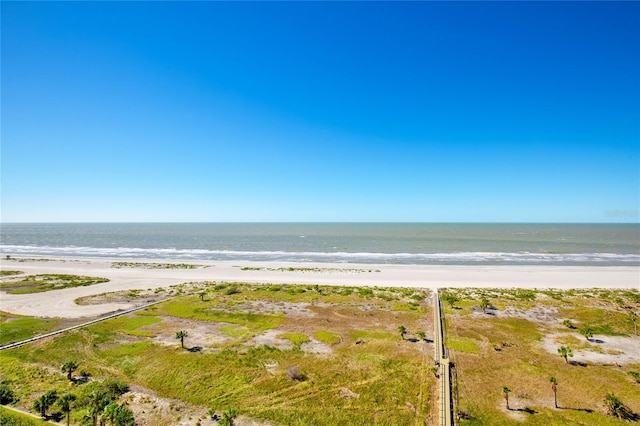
[{"x": 60, "y": 303}]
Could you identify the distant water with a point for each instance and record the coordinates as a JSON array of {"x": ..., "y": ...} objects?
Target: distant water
[{"x": 391, "y": 243}]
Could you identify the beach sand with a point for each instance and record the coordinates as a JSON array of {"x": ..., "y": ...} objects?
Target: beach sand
[{"x": 61, "y": 303}]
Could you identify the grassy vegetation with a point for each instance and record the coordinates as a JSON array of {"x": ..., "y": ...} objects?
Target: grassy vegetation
[
  {"x": 371, "y": 376},
  {"x": 499, "y": 349},
  {"x": 146, "y": 265},
  {"x": 47, "y": 282},
  {"x": 28, "y": 259},
  {"x": 296, "y": 338},
  {"x": 12, "y": 418},
  {"x": 463, "y": 345},
  {"x": 307, "y": 269},
  {"x": 327, "y": 337},
  {"x": 14, "y": 328},
  {"x": 604, "y": 321},
  {"x": 5, "y": 273}
]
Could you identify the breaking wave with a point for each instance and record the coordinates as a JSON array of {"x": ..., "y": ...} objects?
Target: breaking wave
[{"x": 453, "y": 258}]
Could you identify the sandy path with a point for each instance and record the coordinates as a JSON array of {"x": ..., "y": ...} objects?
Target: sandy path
[{"x": 61, "y": 302}]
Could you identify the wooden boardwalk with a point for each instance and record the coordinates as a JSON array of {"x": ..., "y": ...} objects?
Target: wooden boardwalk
[{"x": 441, "y": 357}]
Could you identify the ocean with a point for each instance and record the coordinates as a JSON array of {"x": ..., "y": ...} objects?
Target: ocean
[{"x": 385, "y": 243}]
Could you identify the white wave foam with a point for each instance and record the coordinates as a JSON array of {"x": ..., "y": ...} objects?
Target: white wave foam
[{"x": 359, "y": 257}]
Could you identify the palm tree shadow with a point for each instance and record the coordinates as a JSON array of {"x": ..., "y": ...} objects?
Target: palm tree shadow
[
  {"x": 195, "y": 349},
  {"x": 527, "y": 410},
  {"x": 578, "y": 363},
  {"x": 586, "y": 410},
  {"x": 56, "y": 417}
]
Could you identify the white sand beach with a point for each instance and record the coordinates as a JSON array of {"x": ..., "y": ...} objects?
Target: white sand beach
[{"x": 60, "y": 303}]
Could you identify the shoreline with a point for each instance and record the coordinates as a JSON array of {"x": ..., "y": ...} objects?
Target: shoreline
[{"x": 60, "y": 303}]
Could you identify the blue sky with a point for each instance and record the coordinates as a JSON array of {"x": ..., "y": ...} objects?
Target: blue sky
[{"x": 327, "y": 111}]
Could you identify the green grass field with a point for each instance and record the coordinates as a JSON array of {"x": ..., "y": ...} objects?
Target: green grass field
[
  {"x": 12, "y": 418},
  {"x": 14, "y": 328},
  {"x": 495, "y": 350},
  {"x": 364, "y": 374}
]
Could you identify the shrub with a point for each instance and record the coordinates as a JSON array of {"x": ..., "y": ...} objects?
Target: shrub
[
  {"x": 616, "y": 408},
  {"x": 232, "y": 290},
  {"x": 297, "y": 338},
  {"x": 634, "y": 375},
  {"x": 115, "y": 387},
  {"x": 6, "y": 395}
]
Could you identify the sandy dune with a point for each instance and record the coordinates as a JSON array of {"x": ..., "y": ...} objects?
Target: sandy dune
[{"x": 61, "y": 302}]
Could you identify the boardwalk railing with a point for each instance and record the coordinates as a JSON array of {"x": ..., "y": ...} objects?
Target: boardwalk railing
[{"x": 84, "y": 324}]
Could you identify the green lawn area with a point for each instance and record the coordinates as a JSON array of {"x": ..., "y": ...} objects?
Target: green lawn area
[
  {"x": 365, "y": 374},
  {"x": 14, "y": 328}
]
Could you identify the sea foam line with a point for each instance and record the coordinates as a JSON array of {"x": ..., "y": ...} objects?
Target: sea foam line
[{"x": 307, "y": 256}]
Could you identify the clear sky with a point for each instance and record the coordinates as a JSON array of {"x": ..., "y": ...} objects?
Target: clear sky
[{"x": 327, "y": 111}]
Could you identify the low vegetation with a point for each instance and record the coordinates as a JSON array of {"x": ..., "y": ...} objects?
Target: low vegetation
[
  {"x": 28, "y": 259},
  {"x": 13, "y": 418},
  {"x": 148, "y": 265},
  {"x": 290, "y": 354},
  {"x": 307, "y": 269},
  {"x": 541, "y": 357},
  {"x": 47, "y": 282},
  {"x": 14, "y": 328}
]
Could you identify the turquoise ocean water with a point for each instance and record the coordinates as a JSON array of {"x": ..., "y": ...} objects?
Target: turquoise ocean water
[{"x": 392, "y": 243}]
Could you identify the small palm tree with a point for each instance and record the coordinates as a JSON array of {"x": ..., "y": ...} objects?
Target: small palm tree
[
  {"x": 587, "y": 331},
  {"x": 124, "y": 416},
  {"x": 202, "y": 294},
  {"x": 554, "y": 388},
  {"x": 109, "y": 413},
  {"x": 435, "y": 371},
  {"x": 564, "y": 352},
  {"x": 181, "y": 335},
  {"x": 97, "y": 401},
  {"x": 484, "y": 304},
  {"x": 45, "y": 401},
  {"x": 66, "y": 404},
  {"x": 402, "y": 330},
  {"x": 450, "y": 298},
  {"x": 228, "y": 417},
  {"x": 505, "y": 395},
  {"x": 422, "y": 335},
  {"x": 69, "y": 367}
]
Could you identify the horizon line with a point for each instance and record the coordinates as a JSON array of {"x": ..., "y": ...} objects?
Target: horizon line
[{"x": 328, "y": 222}]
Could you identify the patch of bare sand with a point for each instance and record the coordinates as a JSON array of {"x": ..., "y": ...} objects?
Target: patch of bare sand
[
  {"x": 152, "y": 410},
  {"x": 314, "y": 346},
  {"x": 537, "y": 314},
  {"x": 60, "y": 303},
  {"x": 271, "y": 338},
  {"x": 202, "y": 335},
  {"x": 605, "y": 350},
  {"x": 290, "y": 309}
]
